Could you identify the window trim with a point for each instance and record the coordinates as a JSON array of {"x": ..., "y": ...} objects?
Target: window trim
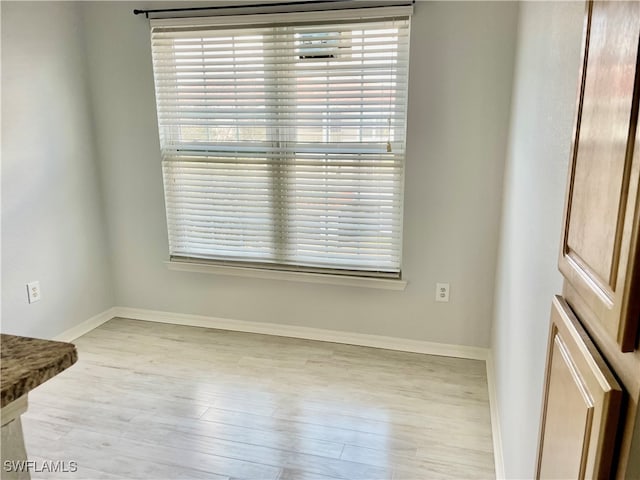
[{"x": 397, "y": 284}]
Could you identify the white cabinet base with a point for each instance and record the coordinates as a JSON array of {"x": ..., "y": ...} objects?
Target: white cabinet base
[{"x": 12, "y": 448}]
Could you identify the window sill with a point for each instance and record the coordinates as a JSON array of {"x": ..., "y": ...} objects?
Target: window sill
[{"x": 344, "y": 280}]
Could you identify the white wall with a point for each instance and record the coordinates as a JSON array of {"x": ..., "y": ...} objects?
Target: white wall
[
  {"x": 52, "y": 218},
  {"x": 545, "y": 86},
  {"x": 460, "y": 84}
]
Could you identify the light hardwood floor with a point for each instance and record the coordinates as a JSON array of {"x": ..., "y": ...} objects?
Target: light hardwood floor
[{"x": 156, "y": 401}]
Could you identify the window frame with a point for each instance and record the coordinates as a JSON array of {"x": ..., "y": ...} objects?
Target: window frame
[{"x": 292, "y": 267}]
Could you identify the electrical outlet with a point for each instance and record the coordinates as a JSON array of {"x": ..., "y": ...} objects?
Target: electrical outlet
[
  {"x": 442, "y": 292},
  {"x": 33, "y": 292}
]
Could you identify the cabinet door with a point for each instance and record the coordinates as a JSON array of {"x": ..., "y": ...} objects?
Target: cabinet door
[
  {"x": 599, "y": 252},
  {"x": 581, "y": 404}
]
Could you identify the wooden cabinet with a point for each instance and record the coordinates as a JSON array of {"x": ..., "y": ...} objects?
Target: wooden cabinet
[
  {"x": 600, "y": 239},
  {"x": 582, "y": 404},
  {"x": 590, "y": 424}
]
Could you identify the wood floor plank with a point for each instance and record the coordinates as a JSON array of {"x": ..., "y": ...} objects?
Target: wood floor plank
[
  {"x": 334, "y": 433},
  {"x": 441, "y": 456},
  {"x": 281, "y": 439},
  {"x": 156, "y": 452},
  {"x": 292, "y": 474},
  {"x": 160, "y": 401}
]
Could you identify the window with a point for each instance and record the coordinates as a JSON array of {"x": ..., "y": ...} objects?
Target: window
[{"x": 283, "y": 144}]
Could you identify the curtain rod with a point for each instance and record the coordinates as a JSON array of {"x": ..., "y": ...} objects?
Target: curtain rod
[{"x": 260, "y": 5}]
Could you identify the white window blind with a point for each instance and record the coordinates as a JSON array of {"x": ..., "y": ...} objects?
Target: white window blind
[{"x": 283, "y": 145}]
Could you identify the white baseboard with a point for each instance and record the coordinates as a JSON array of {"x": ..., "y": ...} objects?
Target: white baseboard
[
  {"x": 307, "y": 333},
  {"x": 86, "y": 326},
  {"x": 495, "y": 418}
]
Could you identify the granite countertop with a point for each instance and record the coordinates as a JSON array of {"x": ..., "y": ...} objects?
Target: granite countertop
[{"x": 28, "y": 362}]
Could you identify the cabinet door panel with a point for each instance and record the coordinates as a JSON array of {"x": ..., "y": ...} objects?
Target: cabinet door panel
[
  {"x": 603, "y": 180},
  {"x": 581, "y": 404}
]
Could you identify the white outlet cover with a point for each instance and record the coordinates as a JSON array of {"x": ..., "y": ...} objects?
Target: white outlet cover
[
  {"x": 442, "y": 292},
  {"x": 33, "y": 292}
]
